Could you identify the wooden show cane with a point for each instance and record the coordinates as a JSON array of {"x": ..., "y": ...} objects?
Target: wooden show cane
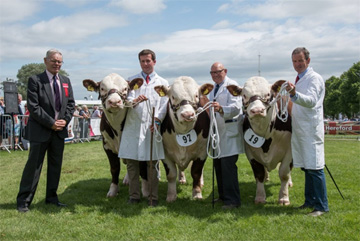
[{"x": 151, "y": 152}]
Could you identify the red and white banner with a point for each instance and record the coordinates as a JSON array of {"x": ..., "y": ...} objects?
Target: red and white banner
[{"x": 342, "y": 128}]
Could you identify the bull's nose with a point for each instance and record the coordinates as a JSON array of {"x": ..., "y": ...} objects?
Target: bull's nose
[
  {"x": 188, "y": 115},
  {"x": 256, "y": 111},
  {"x": 114, "y": 102}
]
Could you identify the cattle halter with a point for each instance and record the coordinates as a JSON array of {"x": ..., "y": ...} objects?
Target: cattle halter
[
  {"x": 182, "y": 103},
  {"x": 112, "y": 91}
]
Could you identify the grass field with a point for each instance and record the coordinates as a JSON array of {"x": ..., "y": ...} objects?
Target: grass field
[{"x": 91, "y": 216}]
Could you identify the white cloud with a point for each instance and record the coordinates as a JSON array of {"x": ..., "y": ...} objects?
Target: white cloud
[
  {"x": 223, "y": 8},
  {"x": 75, "y": 28},
  {"x": 330, "y": 11},
  {"x": 16, "y": 10},
  {"x": 221, "y": 24},
  {"x": 140, "y": 6},
  {"x": 61, "y": 30}
]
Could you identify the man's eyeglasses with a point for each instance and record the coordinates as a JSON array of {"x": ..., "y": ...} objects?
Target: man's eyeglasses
[
  {"x": 56, "y": 61},
  {"x": 216, "y": 72}
]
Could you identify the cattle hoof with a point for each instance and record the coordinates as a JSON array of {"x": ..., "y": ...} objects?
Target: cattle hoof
[
  {"x": 197, "y": 195},
  {"x": 113, "y": 191},
  {"x": 284, "y": 202},
  {"x": 171, "y": 199},
  {"x": 260, "y": 202},
  {"x": 182, "y": 181}
]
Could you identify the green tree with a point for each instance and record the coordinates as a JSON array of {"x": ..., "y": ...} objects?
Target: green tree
[
  {"x": 350, "y": 91},
  {"x": 332, "y": 105},
  {"x": 27, "y": 71}
]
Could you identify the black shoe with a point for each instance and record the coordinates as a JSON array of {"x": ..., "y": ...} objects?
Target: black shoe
[
  {"x": 230, "y": 206},
  {"x": 59, "y": 204},
  {"x": 303, "y": 207},
  {"x": 23, "y": 209},
  {"x": 153, "y": 203},
  {"x": 217, "y": 200},
  {"x": 133, "y": 201}
]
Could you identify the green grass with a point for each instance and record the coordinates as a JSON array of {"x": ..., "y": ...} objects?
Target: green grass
[{"x": 91, "y": 216}]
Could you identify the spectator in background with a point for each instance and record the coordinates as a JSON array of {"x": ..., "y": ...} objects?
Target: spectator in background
[
  {"x": 21, "y": 110},
  {"x": 76, "y": 116},
  {"x": 96, "y": 113},
  {"x": 24, "y": 122},
  {"x": 84, "y": 122},
  {"x": 20, "y": 127},
  {"x": 2, "y": 112}
]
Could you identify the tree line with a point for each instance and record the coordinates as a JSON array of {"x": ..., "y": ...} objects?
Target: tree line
[{"x": 342, "y": 94}]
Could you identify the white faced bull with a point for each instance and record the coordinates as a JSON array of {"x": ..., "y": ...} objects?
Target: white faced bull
[
  {"x": 267, "y": 138},
  {"x": 181, "y": 122},
  {"x": 113, "y": 90}
]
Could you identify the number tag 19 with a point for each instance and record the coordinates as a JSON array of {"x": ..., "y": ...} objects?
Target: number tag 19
[
  {"x": 186, "y": 139},
  {"x": 252, "y": 139}
]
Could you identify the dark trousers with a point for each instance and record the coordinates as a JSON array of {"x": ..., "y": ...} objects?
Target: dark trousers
[
  {"x": 31, "y": 174},
  {"x": 315, "y": 190},
  {"x": 227, "y": 179}
]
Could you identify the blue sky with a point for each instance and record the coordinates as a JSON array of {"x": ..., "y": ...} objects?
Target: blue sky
[{"x": 99, "y": 37}]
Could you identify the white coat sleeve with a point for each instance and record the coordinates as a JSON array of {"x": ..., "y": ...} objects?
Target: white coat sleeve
[{"x": 313, "y": 93}]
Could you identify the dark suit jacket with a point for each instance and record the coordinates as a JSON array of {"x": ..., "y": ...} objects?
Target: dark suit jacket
[{"x": 41, "y": 106}]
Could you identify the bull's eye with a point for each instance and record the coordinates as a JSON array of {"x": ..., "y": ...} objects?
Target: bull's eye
[
  {"x": 102, "y": 89},
  {"x": 173, "y": 97},
  {"x": 245, "y": 97}
]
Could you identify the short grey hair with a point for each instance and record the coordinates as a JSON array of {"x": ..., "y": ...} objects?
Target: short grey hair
[
  {"x": 51, "y": 52},
  {"x": 299, "y": 50}
]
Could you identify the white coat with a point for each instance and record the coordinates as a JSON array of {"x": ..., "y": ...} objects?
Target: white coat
[
  {"x": 230, "y": 123},
  {"x": 307, "y": 140},
  {"x": 135, "y": 139}
]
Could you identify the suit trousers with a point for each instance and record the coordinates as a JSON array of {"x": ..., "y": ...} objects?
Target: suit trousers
[
  {"x": 133, "y": 170},
  {"x": 227, "y": 179},
  {"x": 31, "y": 174}
]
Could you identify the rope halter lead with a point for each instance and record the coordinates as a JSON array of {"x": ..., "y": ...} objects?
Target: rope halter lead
[{"x": 284, "y": 97}]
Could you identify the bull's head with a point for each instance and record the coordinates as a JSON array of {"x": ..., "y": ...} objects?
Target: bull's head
[
  {"x": 113, "y": 90},
  {"x": 257, "y": 95},
  {"x": 184, "y": 97}
]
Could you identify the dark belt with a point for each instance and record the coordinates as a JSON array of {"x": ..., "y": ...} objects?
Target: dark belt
[{"x": 229, "y": 121}]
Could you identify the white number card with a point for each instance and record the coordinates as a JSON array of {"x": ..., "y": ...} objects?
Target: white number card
[
  {"x": 186, "y": 139},
  {"x": 252, "y": 139}
]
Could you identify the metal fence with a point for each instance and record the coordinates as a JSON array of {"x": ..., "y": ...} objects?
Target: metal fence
[{"x": 12, "y": 130}]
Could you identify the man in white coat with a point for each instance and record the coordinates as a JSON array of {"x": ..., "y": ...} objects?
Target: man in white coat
[
  {"x": 228, "y": 116},
  {"x": 307, "y": 141},
  {"x": 136, "y": 137}
]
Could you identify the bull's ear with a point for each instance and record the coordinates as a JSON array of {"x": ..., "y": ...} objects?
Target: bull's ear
[
  {"x": 277, "y": 85},
  {"x": 205, "y": 89},
  {"x": 161, "y": 90},
  {"x": 91, "y": 85},
  {"x": 136, "y": 83},
  {"x": 234, "y": 90}
]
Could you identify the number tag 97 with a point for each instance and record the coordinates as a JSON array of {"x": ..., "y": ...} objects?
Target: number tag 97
[
  {"x": 252, "y": 139},
  {"x": 186, "y": 139}
]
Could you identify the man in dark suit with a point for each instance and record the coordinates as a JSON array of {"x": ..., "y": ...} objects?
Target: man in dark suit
[{"x": 51, "y": 104}]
